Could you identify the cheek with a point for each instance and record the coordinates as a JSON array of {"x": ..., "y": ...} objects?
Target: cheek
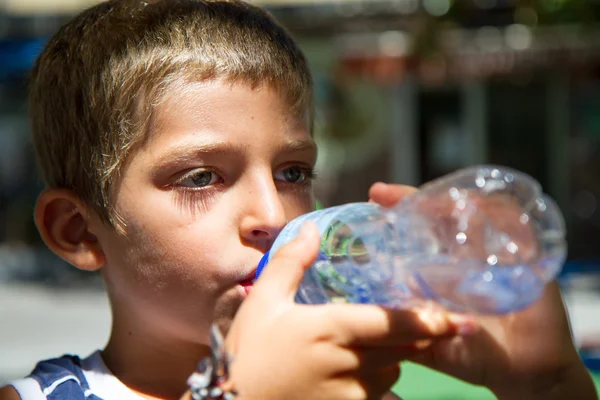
[
  {"x": 168, "y": 242},
  {"x": 159, "y": 240},
  {"x": 165, "y": 260}
]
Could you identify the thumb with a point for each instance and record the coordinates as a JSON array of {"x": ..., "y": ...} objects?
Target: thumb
[{"x": 286, "y": 269}]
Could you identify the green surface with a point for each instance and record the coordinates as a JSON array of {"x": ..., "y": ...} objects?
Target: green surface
[{"x": 420, "y": 383}]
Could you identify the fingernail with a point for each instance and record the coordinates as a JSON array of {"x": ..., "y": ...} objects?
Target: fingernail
[
  {"x": 306, "y": 230},
  {"x": 465, "y": 325},
  {"x": 459, "y": 318},
  {"x": 422, "y": 344},
  {"x": 468, "y": 329},
  {"x": 302, "y": 232}
]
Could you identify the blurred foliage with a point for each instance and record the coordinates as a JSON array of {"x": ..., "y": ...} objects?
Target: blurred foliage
[
  {"x": 436, "y": 17},
  {"x": 528, "y": 12}
]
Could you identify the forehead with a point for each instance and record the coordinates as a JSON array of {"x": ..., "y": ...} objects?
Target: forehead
[
  {"x": 222, "y": 111},
  {"x": 207, "y": 101}
]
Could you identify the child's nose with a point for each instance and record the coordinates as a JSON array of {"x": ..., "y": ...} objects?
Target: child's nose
[{"x": 263, "y": 219}]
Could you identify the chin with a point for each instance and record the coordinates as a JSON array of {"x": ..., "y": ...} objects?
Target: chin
[{"x": 227, "y": 306}]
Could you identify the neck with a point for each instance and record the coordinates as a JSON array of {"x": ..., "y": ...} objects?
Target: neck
[{"x": 152, "y": 362}]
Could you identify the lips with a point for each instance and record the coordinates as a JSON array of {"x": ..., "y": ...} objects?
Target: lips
[{"x": 248, "y": 282}]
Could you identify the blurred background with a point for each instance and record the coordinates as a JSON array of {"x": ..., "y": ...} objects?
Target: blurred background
[{"x": 407, "y": 90}]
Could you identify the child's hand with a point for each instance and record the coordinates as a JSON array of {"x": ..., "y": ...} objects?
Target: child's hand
[
  {"x": 284, "y": 350},
  {"x": 529, "y": 354}
]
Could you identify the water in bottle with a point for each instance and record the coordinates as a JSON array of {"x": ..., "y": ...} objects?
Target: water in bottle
[{"x": 484, "y": 239}]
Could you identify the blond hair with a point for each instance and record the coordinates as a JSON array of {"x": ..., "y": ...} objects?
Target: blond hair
[{"x": 94, "y": 87}]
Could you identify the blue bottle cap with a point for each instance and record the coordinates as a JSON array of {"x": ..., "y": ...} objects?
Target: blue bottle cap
[{"x": 261, "y": 265}]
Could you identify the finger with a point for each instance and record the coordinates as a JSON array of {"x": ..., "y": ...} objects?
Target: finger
[
  {"x": 446, "y": 354},
  {"x": 368, "y": 358},
  {"x": 383, "y": 327},
  {"x": 373, "y": 385},
  {"x": 286, "y": 268},
  {"x": 363, "y": 359},
  {"x": 381, "y": 381},
  {"x": 388, "y": 195}
]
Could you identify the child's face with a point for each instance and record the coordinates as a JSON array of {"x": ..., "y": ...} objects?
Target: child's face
[{"x": 222, "y": 171}]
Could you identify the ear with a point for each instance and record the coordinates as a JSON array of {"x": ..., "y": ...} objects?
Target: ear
[{"x": 64, "y": 224}]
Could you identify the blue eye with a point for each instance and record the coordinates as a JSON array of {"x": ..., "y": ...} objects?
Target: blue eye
[
  {"x": 198, "y": 178},
  {"x": 294, "y": 174}
]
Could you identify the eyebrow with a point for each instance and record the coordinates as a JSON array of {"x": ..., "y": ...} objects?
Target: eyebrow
[
  {"x": 186, "y": 152},
  {"x": 296, "y": 146},
  {"x": 183, "y": 152}
]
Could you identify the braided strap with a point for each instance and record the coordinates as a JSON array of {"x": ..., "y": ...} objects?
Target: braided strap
[{"x": 210, "y": 380}]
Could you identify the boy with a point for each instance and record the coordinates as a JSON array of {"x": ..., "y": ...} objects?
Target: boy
[{"x": 175, "y": 140}]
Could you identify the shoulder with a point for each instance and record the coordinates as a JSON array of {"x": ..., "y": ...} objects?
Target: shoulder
[
  {"x": 9, "y": 393},
  {"x": 24, "y": 389}
]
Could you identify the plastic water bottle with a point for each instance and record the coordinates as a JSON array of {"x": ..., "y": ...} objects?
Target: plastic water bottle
[{"x": 484, "y": 239}]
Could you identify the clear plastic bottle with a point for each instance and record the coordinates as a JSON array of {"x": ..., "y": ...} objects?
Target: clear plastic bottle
[{"x": 483, "y": 239}]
